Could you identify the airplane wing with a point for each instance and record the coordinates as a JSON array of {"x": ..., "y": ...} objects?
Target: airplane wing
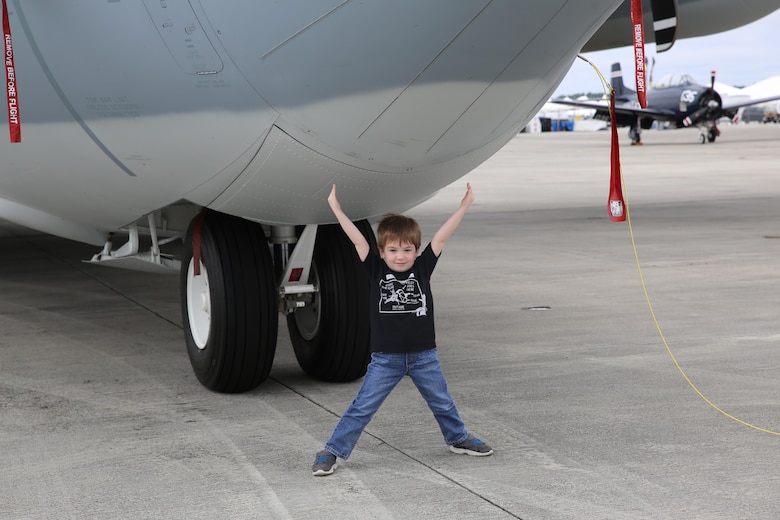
[
  {"x": 674, "y": 20},
  {"x": 740, "y": 101},
  {"x": 602, "y": 110}
]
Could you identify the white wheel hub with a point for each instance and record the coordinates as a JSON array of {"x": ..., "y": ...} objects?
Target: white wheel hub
[{"x": 198, "y": 304}]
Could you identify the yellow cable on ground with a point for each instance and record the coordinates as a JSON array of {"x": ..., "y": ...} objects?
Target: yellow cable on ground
[
  {"x": 660, "y": 333},
  {"x": 647, "y": 297}
]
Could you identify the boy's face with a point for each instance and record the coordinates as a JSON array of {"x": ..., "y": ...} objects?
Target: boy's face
[{"x": 398, "y": 257}]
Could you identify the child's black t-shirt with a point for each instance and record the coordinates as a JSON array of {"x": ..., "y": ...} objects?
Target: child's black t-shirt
[{"x": 401, "y": 304}]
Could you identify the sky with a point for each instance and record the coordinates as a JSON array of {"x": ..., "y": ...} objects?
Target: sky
[{"x": 740, "y": 57}]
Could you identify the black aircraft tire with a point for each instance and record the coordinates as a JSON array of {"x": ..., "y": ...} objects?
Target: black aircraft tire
[
  {"x": 330, "y": 336},
  {"x": 230, "y": 311}
]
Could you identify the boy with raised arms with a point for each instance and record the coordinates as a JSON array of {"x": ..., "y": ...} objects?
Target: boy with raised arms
[{"x": 403, "y": 341}]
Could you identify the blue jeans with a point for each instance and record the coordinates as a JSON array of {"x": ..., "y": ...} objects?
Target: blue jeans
[{"x": 383, "y": 374}]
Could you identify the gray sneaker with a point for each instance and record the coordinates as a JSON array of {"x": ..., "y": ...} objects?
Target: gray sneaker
[
  {"x": 472, "y": 446},
  {"x": 324, "y": 464}
]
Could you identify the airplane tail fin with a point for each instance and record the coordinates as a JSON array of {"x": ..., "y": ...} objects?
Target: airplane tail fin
[{"x": 622, "y": 93}]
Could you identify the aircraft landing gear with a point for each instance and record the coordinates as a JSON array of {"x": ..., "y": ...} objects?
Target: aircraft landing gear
[
  {"x": 330, "y": 335},
  {"x": 709, "y": 134},
  {"x": 635, "y": 134},
  {"x": 229, "y": 309}
]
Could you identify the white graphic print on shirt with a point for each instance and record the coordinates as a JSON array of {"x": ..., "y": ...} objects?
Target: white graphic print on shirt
[{"x": 401, "y": 296}]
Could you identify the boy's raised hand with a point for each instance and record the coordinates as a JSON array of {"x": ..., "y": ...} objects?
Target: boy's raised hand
[
  {"x": 468, "y": 198},
  {"x": 334, "y": 203},
  {"x": 446, "y": 230},
  {"x": 356, "y": 237}
]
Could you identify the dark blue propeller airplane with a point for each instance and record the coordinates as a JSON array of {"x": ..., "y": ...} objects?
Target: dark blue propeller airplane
[{"x": 677, "y": 100}]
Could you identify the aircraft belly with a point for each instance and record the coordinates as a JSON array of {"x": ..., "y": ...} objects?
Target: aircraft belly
[
  {"x": 288, "y": 183},
  {"x": 394, "y": 111},
  {"x": 127, "y": 107},
  {"x": 412, "y": 83}
]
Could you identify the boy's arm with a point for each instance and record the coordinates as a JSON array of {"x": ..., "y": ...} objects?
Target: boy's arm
[
  {"x": 448, "y": 228},
  {"x": 358, "y": 240}
]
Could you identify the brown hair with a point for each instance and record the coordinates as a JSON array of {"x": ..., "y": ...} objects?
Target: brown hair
[{"x": 394, "y": 227}]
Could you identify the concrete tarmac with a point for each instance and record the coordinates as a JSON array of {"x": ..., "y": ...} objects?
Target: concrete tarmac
[{"x": 545, "y": 335}]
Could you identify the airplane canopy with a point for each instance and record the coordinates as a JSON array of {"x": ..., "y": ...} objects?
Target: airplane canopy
[{"x": 675, "y": 80}]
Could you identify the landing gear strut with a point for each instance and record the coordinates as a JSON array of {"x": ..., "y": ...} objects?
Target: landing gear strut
[
  {"x": 709, "y": 134},
  {"x": 635, "y": 133},
  {"x": 330, "y": 336}
]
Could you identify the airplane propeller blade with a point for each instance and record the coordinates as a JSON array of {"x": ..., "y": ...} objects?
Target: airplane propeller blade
[{"x": 709, "y": 103}]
